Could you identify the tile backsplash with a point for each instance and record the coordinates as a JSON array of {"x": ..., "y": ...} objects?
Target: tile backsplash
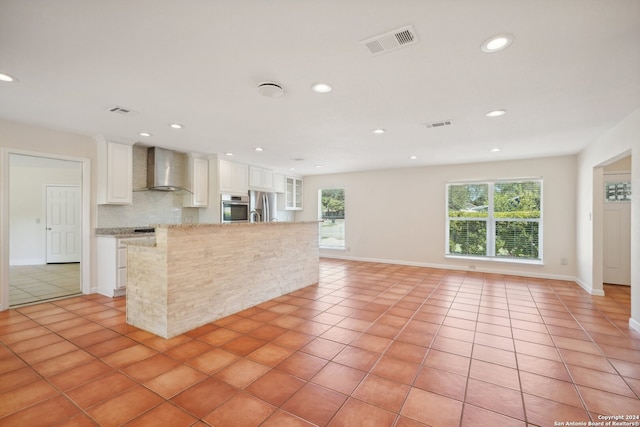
[{"x": 149, "y": 207}]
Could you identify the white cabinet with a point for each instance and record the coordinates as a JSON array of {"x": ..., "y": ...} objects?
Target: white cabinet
[
  {"x": 112, "y": 263},
  {"x": 115, "y": 172},
  {"x": 279, "y": 184},
  {"x": 197, "y": 182},
  {"x": 293, "y": 193},
  {"x": 233, "y": 178},
  {"x": 260, "y": 179}
]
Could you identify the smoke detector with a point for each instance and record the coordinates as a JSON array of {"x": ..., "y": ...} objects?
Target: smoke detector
[
  {"x": 270, "y": 89},
  {"x": 392, "y": 40}
]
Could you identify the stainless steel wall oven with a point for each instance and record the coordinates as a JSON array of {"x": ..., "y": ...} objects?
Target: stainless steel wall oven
[{"x": 234, "y": 208}]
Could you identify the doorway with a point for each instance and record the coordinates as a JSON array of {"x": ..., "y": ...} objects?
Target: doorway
[
  {"x": 46, "y": 221},
  {"x": 617, "y": 229},
  {"x": 611, "y": 227}
]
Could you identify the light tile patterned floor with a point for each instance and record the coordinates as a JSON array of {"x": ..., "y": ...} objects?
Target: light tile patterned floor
[
  {"x": 33, "y": 283},
  {"x": 371, "y": 345}
]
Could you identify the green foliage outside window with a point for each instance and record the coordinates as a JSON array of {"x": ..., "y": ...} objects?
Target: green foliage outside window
[
  {"x": 517, "y": 239},
  {"x": 332, "y": 228},
  {"x": 332, "y": 203},
  {"x": 504, "y": 215},
  {"x": 468, "y": 237},
  {"x": 469, "y": 200}
]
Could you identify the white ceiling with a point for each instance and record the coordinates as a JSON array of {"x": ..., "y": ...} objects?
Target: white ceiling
[{"x": 572, "y": 72}]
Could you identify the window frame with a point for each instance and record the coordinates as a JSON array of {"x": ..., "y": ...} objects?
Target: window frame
[
  {"x": 321, "y": 221},
  {"x": 491, "y": 221}
]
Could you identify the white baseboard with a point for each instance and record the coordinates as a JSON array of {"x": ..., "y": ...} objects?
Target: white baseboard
[
  {"x": 589, "y": 288},
  {"x": 634, "y": 324},
  {"x": 461, "y": 268},
  {"x": 35, "y": 261}
]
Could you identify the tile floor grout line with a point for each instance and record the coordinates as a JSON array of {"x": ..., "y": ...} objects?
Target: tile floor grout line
[
  {"x": 473, "y": 344},
  {"x": 35, "y": 273},
  {"x": 593, "y": 341},
  {"x": 566, "y": 365},
  {"x": 42, "y": 377},
  {"x": 567, "y": 305},
  {"x": 380, "y": 355},
  {"x": 522, "y": 393},
  {"x": 119, "y": 370},
  {"x": 389, "y": 345},
  {"x": 562, "y": 358}
]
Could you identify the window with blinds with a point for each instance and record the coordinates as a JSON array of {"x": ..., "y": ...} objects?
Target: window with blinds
[
  {"x": 331, "y": 214},
  {"x": 499, "y": 219}
]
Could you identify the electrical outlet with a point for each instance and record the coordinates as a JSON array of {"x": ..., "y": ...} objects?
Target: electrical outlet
[{"x": 564, "y": 261}]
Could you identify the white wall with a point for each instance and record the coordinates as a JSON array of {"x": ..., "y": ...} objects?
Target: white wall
[
  {"x": 620, "y": 141},
  {"x": 18, "y": 137},
  {"x": 398, "y": 215},
  {"x": 28, "y": 210}
]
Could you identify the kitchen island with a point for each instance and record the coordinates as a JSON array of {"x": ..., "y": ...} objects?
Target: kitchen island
[{"x": 197, "y": 273}]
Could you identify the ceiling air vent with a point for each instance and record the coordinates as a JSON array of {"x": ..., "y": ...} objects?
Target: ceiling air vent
[
  {"x": 121, "y": 110},
  {"x": 393, "y": 40},
  {"x": 441, "y": 123}
]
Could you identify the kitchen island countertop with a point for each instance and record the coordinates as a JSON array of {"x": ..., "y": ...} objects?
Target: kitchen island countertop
[
  {"x": 125, "y": 231},
  {"x": 231, "y": 224},
  {"x": 150, "y": 229}
]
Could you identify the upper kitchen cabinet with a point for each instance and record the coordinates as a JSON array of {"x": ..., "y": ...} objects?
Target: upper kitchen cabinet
[
  {"x": 260, "y": 179},
  {"x": 293, "y": 194},
  {"x": 234, "y": 178},
  {"x": 279, "y": 183},
  {"x": 115, "y": 172},
  {"x": 197, "y": 182}
]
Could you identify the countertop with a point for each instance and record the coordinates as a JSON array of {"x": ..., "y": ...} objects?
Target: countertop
[
  {"x": 131, "y": 231},
  {"x": 232, "y": 224},
  {"x": 124, "y": 232}
]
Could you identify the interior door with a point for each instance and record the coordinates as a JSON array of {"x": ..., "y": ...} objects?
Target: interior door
[
  {"x": 63, "y": 224},
  {"x": 617, "y": 234}
]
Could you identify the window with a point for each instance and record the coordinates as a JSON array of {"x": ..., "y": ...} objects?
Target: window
[
  {"x": 331, "y": 206},
  {"x": 500, "y": 219}
]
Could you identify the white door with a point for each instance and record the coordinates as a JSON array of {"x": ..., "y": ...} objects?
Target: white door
[
  {"x": 617, "y": 236},
  {"x": 63, "y": 224}
]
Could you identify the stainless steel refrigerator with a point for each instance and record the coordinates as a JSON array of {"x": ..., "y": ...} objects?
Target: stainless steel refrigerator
[{"x": 262, "y": 206}]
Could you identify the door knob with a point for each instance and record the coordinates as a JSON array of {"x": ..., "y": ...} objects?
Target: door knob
[{"x": 48, "y": 228}]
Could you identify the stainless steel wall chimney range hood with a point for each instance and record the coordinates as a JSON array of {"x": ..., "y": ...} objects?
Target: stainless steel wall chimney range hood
[{"x": 161, "y": 170}]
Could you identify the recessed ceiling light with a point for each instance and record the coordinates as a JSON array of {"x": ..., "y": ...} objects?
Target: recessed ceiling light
[
  {"x": 144, "y": 134},
  {"x": 259, "y": 149},
  {"x": 7, "y": 78},
  {"x": 413, "y": 157},
  {"x": 496, "y": 113},
  {"x": 228, "y": 153},
  {"x": 497, "y": 43},
  {"x": 318, "y": 166},
  {"x": 176, "y": 126},
  {"x": 495, "y": 150},
  {"x": 379, "y": 131},
  {"x": 321, "y": 88},
  {"x": 292, "y": 169}
]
